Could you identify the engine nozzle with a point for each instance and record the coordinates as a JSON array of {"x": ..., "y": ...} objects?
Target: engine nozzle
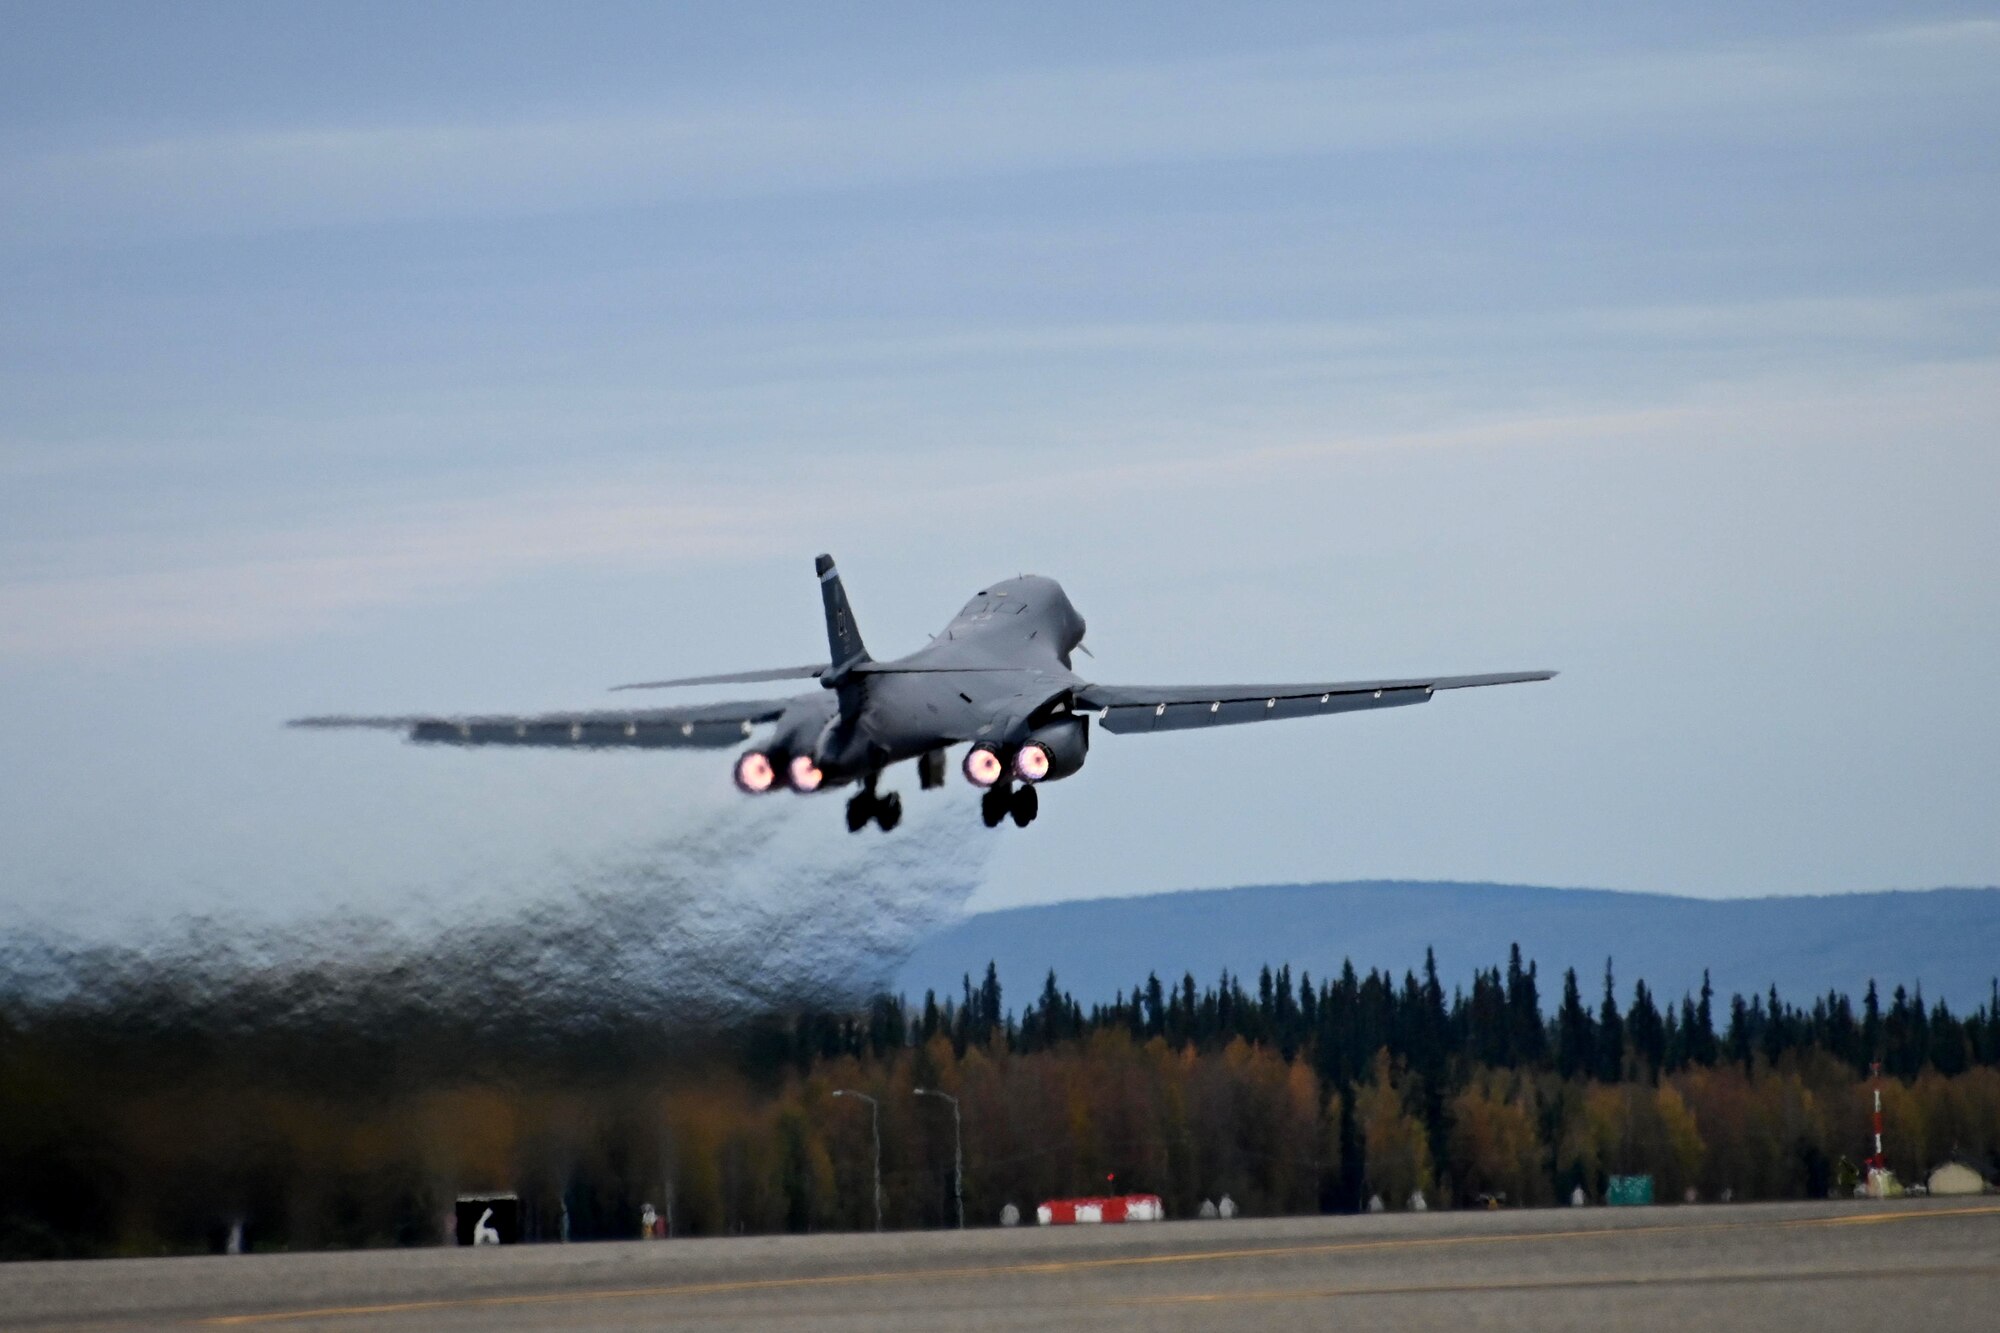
[
  {"x": 983, "y": 767},
  {"x": 805, "y": 774},
  {"x": 754, "y": 773},
  {"x": 1032, "y": 762}
]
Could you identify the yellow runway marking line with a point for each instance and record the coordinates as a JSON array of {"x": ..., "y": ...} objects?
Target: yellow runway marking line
[
  {"x": 1279, "y": 1294},
  {"x": 1046, "y": 1267},
  {"x": 1863, "y": 1219}
]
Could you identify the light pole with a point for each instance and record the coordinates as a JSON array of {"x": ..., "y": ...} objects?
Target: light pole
[
  {"x": 957, "y": 1151},
  {"x": 875, "y": 1122}
]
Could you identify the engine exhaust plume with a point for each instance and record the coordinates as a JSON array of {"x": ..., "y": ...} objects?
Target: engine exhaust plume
[{"x": 757, "y": 911}]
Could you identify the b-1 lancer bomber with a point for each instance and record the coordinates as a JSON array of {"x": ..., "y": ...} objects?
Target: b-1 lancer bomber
[{"x": 998, "y": 677}]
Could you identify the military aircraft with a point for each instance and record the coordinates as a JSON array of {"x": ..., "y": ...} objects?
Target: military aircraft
[{"x": 998, "y": 676}]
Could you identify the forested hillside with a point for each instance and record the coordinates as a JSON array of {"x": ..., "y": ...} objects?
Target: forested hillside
[{"x": 1941, "y": 938}]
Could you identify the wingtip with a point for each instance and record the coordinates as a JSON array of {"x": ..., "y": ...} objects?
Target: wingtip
[{"x": 822, "y": 564}]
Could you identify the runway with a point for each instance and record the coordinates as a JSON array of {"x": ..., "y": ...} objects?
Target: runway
[{"x": 1933, "y": 1264}]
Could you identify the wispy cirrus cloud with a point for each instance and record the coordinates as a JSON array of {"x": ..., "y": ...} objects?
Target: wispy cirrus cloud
[
  {"x": 113, "y": 593},
  {"x": 253, "y": 585},
  {"x": 1457, "y": 90}
]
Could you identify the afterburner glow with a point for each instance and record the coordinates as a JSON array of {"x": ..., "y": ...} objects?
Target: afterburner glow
[
  {"x": 1032, "y": 763},
  {"x": 982, "y": 766},
  {"x": 754, "y": 773}
]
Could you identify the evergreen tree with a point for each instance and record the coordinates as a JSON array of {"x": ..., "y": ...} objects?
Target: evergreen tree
[
  {"x": 1902, "y": 1051},
  {"x": 1050, "y": 1014},
  {"x": 1741, "y": 1032},
  {"x": 1646, "y": 1031},
  {"x": 1489, "y": 1020},
  {"x": 1871, "y": 1023},
  {"x": 1434, "y": 1027},
  {"x": 1681, "y": 1037},
  {"x": 1701, "y": 1043},
  {"x": 932, "y": 1021},
  {"x": 1988, "y": 1044},
  {"x": 1673, "y": 1042},
  {"x": 1525, "y": 1039},
  {"x": 989, "y": 1003},
  {"x": 1610, "y": 1034},
  {"x": 1947, "y": 1042},
  {"x": 1777, "y": 1028},
  {"x": 1285, "y": 1015},
  {"x": 1576, "y": 1039}
]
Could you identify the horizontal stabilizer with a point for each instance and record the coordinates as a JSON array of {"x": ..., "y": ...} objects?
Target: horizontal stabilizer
[
  {"x": 731, "y": 678},
  {"x": 906, "y": 669}
]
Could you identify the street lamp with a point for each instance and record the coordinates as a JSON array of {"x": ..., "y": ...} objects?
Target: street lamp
[
  {"x": 957, "y": 1150},
  {"x": 875, "y": 1122}
]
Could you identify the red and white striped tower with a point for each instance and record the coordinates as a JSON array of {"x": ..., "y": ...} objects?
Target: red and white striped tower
[{"x": 1876, "y": 1162}]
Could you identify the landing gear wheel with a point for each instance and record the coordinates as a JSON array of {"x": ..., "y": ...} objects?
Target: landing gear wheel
[
  {"x": 889, "y": 811},
  {"x": 860, "y": 809},
  {"x": 1026, "y": 804},
  {"x": 993, "y": 805}
]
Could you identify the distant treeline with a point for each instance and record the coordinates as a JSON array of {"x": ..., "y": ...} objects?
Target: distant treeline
[
  {"x": 146, "y": 1128},
  {"x": 1500, "y": 1024}
]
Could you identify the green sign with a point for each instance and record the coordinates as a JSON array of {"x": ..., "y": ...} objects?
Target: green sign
[{"x": 1629, "y": 1191}]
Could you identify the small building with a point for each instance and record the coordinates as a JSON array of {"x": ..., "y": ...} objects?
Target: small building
[
  {"x": 487, "y": 1219},
  {"x": 1956, "y": 1178},
  {"x": 1116, "y": 1208}
]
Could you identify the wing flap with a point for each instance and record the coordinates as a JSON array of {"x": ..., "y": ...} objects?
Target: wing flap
[
  {"x": 1144, "y": 708},
  {"x": 699, "y": 727}
]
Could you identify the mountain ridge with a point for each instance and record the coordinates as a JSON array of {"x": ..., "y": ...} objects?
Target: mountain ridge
[{"x": 1945, "y": 941}]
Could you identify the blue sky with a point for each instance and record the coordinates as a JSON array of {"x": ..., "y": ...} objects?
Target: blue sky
[{"x": 370, "y": 357}]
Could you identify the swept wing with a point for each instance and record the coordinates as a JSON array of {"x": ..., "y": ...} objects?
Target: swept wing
[
  {"x": 1140, "y": 708},
  {"x": 694, "y": 727}
]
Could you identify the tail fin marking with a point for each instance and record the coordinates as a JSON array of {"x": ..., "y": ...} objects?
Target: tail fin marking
[{"x": 843, "y": 641}]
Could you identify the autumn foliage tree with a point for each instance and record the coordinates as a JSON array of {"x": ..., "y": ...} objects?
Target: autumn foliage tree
[{"x": 144, "y": 1131}]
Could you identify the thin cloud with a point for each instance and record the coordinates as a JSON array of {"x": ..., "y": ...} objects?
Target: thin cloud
[
  {"x": 278, "y": 584},
  {"x": 752, "y": 142}
]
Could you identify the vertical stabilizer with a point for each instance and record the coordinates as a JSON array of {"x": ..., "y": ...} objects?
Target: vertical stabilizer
[{"x": 843, "y": 641}]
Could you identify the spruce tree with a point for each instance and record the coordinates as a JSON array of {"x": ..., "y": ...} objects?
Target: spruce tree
[
  {"x": 1702, "y": 1044},
  {"x": 1576, "y": 1042},
  {"x": 1610, "y": 1034}
]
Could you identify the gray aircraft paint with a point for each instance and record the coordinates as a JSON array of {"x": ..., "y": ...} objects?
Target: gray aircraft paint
[{"x": 999, "y": 676}]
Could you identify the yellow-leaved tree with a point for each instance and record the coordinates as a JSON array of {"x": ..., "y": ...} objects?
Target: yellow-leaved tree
[{"x": 1396, "y": 1151}]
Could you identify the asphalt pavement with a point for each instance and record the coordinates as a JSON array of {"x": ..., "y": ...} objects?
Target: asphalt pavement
[{"x": 1930, "y": 1264}]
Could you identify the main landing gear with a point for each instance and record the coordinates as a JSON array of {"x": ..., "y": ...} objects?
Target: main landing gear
[
  {"x": 885, "y": 810},
  {"x": 1003, "y": 799}
]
